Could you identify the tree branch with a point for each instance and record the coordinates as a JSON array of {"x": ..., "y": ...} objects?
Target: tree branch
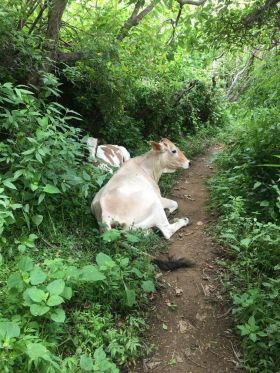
[
  {"x": 191, "y": 2},
  {"x": 135, "y": 18},
  {"x": 32, "y": 8},
  {"x": 258, "y": 15},
  {"x": 70, "y": 56},
  {"x": 39, "y": 16},
  {"x": 175, "y": 24},
  {"x": 233, "y": 92}
]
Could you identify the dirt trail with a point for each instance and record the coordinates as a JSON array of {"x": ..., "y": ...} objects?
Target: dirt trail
[{"x": 190, "y": 325}]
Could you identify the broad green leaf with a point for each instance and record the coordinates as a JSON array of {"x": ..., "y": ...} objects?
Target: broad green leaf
[
  {"x": 41, "y": 198},
  {"x": 245, "y": 242},
  {"x": 148, "y": 286},
  {"x": 34, "y": 186},
  {"x": 43, "y": 122},
  {"x": 15, "y": 281},
  {"x": 104, "y": 260},
  {"x": 51, "y": 189},
  {"x": 17, "y": 174},
  {"x": 58, "y": 315},
  {"x": 38, "y": 309},
  {"x": 37, "y": 351},
  {"x": 252, "y": 321},
  {"x": 257, "y": 184},
  {"x": 111, "y": 235},
  {"x": 9, "y": 184},
  {"x": 99, "y": 354},
  {"x": 29, "y": 151},
  {"x": 27, "y": 300},
  {"x": 86, "y": 176},
  {"x": 138, "y": 273},
  {"x": 86, "y": 363},
  {"x": 16, "y": 206},
  {"x": 132, "y": 238},
  {"x": 38, "y": 157},
  {"x": 253, "y": 337},
  {"x": 91, "y": 273},
  {"x": 37, "y": 295},
  {"x": 25, "y": 264},
  {"x": 9, "y": 329},
  {"x": 54, "y": 300},
  {"x": 67, "y": 293},
  {"x": 130, "y": 297},
  {"x": 73, "y": 272},
  {"x": 56, "y": 287},
  {"x": 37, "y": 276},
  {"x": 37, "y": 219}
]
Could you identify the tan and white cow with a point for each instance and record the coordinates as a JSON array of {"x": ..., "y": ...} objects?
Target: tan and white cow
[
  {"x": 132, "y": 196},
  {"x": 107, "y": 155}
]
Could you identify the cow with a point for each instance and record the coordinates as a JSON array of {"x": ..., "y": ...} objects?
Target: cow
[
  {"x": 107, "y": 156},
  {"x": 132, "y": 197}
]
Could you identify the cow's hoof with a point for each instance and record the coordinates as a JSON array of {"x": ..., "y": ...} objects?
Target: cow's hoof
[{"x": 188, "y": 221}]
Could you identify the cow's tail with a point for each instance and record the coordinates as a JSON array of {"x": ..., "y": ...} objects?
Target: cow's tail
[
  {"x": 172, "y": 264},
  {"x": 169, "y": 264}
]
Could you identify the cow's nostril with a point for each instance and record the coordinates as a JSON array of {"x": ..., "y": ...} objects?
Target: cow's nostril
[{"x": 190, "y": 163}]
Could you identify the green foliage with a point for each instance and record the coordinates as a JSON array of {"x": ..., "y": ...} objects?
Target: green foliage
[
  {"x": 51, "y": 290},
  {"x": 41, "y": 158},
  {"x": 40, "y": 297},
  {"x": 246, "y": 193}
]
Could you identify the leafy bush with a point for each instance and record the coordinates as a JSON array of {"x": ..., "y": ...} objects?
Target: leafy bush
[
  {"x": 50, "y": 289},
  {"x": 246, "y": 192},
  {"x": 41, "y": 158},
  {"x": 37, "y": 299}
]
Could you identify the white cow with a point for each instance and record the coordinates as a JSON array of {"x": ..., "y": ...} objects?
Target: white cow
[
  {"x": 132, "y": 196},
  {"x": 107, "y": 155}
]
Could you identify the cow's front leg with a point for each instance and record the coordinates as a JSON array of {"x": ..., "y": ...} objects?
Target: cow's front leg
[
  {"x": 169, "y": 229},
  {"x": 169, "y": 204}
]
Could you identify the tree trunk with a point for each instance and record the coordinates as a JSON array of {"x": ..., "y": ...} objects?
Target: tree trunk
[{"x": 56, "y": 10}]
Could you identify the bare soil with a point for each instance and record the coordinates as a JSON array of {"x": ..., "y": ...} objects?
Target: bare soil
[{"x": 191, "y": 324}]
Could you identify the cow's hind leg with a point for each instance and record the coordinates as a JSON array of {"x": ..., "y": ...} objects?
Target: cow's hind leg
[{"x": 169, "y": 204}]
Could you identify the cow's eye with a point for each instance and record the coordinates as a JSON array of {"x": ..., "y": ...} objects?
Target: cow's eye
[{"x": 174, "y": 151}]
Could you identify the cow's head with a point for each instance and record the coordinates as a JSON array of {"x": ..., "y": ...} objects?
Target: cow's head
[{"x": 171, "y": 157}]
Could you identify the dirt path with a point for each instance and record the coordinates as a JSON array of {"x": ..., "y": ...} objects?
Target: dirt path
[{"x": 190, "y": 325}]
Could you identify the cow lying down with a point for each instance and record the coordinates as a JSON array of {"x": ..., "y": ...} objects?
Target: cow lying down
[
  {"x": 132, "y": 196},
  {"x": 107, "y": 156}
]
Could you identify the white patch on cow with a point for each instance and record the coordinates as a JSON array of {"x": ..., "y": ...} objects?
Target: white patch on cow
[
  {"x": 126, "y": 155},
  {"x": 112, "y": 159}
]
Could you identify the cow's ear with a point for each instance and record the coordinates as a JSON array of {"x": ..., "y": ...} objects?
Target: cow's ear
[{"x": 156, "y": 146}]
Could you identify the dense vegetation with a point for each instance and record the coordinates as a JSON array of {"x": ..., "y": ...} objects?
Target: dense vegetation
[
  {"x": 73, "y": 299},
  {"x": 246, "y": 192}
]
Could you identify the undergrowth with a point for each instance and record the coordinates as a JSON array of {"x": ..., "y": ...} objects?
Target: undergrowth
[
  {"x": 71, "y": 299},
  {"x": 246, "y": 193}
]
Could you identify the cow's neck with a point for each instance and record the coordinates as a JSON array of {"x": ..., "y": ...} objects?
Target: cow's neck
[{"x": 151, "y": 165}]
